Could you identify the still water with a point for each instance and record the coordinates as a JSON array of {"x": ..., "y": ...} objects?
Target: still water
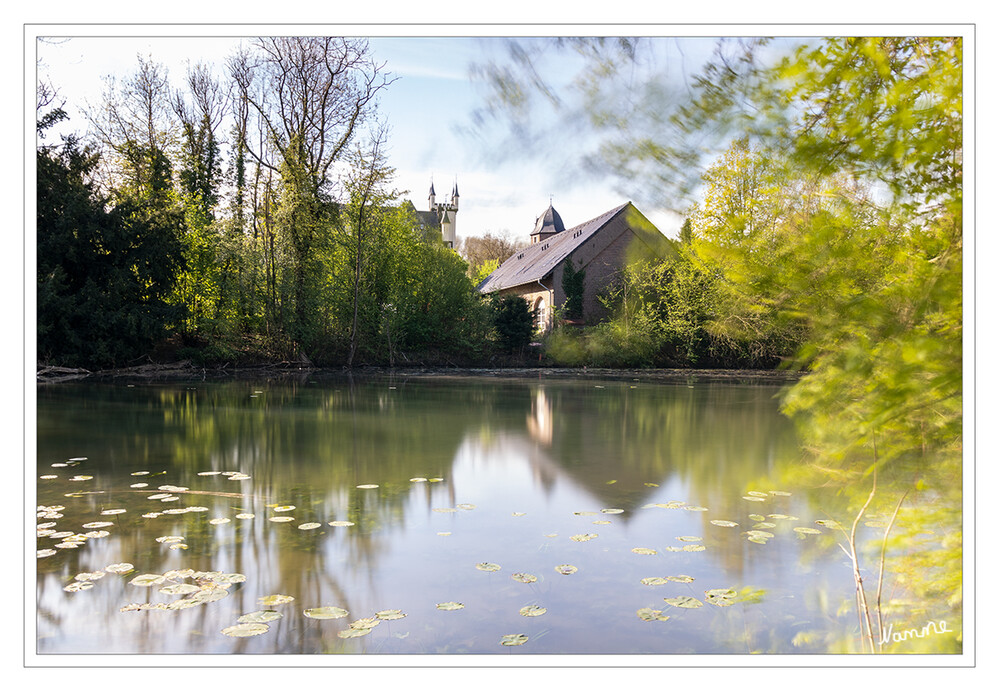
[{"x": 605, "y": 504}]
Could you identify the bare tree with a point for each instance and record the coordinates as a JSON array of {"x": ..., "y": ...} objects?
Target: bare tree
[
  {"x": 135, "y": 123},
  {"x": 310, "y": 95}
]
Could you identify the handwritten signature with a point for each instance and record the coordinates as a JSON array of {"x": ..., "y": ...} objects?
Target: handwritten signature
[{"x": 932, "y": 628}]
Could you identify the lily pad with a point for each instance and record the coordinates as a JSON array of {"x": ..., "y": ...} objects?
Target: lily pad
[
  {"x": 219, "y": 521},
  {"x": 244, "y": 516},
  {"x": 649, "y": 614},
  {"x": 309, "y": 526},
  {"x": 655, "y": 580},
  {"x": 566, "y": 569},
  {"x": 807, "y": 531},
  {"x": 245, "y": 630},
  {"x": 584, "y": 513},
  {"x": 514, "y": 639},
  {"x": 764, "y": 524},
  {"x": 450, "y": 606},
  {"x": 284, "y": 507},
  {"x": 611, "y": 510},
  {"x": 365, "y": 623},
  {"x": 170, "y": 539},
  {"x": 601, "y": 522},
  {"x": 269, "y": 600},
  {"x": 445, "y": 510},
  {"x": 757, "y": 494},
  {"x": 466, "y": 507},
  {"x": 680, "y": 579},
  {"x": 583, "y": 537},
  {"x": 518, "y": 513},
  {"x": 693, "y": 548},
  {"x": 78, "y": 586},
  {"x": 643, "y": 550},
  {"x": 827, "y": 524},
  {"x": 98, "y": 524},
  {"x": 684, "y": 602},
  {"x": 417, "y": 479},
  {"x": 147, "y": 579},
  {"x": 752, "y": 498},
  {"x": 281, "y": 519},
  {"x": 487, "y": 566},
  {"x": 341, "y": 524},
  {"x": 112, "y": 512},
  {"x": 722, "y": 597},
  {"x": 695, "y": 508},
  {"x": 390, "y": 614},
  {"x": 524, "y": 577},
  {"x": 725, "y": 524},
  {"x": 532, "y": 611},
  {"x": 779, "y": 493},
  {"x": 353, "y": 633},
  {"x": 329, "y": 612},
  {"x": 42, "y": 553},
  {"x": 121, "y": 567},
  {"x": 180, "y": 589},
  {"x": 367, "y": 487},
  {"x": 689, "y": 538}
]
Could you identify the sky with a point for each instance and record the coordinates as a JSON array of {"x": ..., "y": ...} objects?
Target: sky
[{"x": 428, "y": 109}]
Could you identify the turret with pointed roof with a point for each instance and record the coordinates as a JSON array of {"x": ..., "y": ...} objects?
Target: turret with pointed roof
[{"x": 546, "y": 225}]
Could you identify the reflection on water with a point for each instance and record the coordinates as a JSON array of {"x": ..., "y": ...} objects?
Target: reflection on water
[{"x": 423, "y": 478}]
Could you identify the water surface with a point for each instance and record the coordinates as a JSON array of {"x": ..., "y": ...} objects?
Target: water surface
[{"x": 434, "y": 475}]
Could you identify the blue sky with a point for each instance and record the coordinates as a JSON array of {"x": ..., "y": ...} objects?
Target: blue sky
[{"x": 426, "y": 108}]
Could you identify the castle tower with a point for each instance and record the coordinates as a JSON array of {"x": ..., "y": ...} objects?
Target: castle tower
[{"x": 446, "y": 213}]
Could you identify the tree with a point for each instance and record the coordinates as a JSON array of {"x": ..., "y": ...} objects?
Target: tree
[
  {"x": 513, "y": 321},
  {"x": 572, "y": 286},
  {"x": 366, "y": 186},
  {"x": 309, "y": 96},
  {"x": 104, "y": 271},
  {"x": 135, "y": 127},
  {"x": 488, "y": 249},
  {"x": 200, "y": 113}
]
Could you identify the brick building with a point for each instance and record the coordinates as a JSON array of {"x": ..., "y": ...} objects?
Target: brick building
[{"x": 600, "y": 247}]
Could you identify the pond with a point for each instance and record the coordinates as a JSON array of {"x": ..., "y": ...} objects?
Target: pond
[{"x": 414, "y": 515}]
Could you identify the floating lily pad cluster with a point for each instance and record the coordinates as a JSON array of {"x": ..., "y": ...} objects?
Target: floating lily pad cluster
[
  {"x": 204, "y": 587},
  {"x": 194, "y": 588}
]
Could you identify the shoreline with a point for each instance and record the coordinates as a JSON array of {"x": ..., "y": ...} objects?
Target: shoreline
[{"x": 185, "y": 370}]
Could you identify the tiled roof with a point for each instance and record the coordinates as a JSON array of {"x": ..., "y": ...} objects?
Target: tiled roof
[
  {"x": 428, "y": 218},
  {"x": 539, "y": 259}
]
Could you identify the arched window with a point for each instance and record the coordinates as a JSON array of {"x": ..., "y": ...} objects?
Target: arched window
[{"x": 540, "y": 315}]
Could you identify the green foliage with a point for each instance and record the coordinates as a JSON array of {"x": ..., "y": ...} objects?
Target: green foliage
[
  {"x": 513, "y": 321},
  {"x": 572, "y": 286},
  {"x": 104, "y": 271},
  {"x": 481, "y": 273}
]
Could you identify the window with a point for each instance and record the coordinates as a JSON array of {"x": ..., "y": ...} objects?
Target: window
[{"x": 540, "y": 315}]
